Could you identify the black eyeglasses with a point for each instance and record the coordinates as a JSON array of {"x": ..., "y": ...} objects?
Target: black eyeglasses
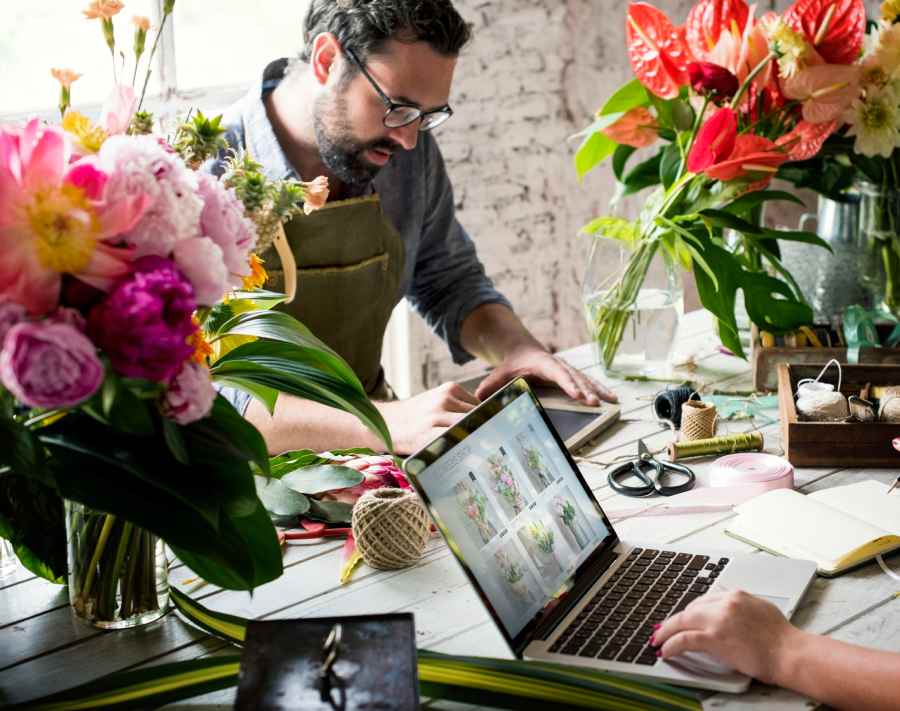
[{"x": 399, "y": 114}]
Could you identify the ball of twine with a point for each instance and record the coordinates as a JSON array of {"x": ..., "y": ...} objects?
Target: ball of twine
[
  {"x": 889, "y": 410},
  {"x": 823, "y": 406},
  {"x": 698, "y": 420},
  {"x": 391, "y": 528}
]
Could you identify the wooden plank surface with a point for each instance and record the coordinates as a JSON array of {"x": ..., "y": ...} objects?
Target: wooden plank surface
[{"x": 43, "y": 649}]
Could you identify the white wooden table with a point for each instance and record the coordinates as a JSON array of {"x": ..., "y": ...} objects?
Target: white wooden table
[{"x": 43, "y": 649}]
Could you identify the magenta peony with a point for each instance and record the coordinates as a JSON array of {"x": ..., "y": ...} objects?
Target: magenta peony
[
  {"x": 190, "y": 395},
  {"x": 200, "y": 260},
  {"x": 144, "y": 324},
  {"x": 46, "y": 364},
  {"x": 11, "y": 313},
  {"x": 380, "y": 471},
  {"x": 225, "y": 222},
  {"x": 139, "y": 165}
]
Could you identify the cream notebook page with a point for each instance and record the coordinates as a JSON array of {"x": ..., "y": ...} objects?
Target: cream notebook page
[{"x": 836, "y": 528}]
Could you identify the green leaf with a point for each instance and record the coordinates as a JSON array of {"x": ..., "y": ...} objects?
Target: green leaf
[
  {"x": 279, "y": 499},
  {"x": 744, "y": 204},
  {"x": 268, "y": 397},
  {"x": 226, "y": 431},
  {"x": 670, "y": 165},
  {"x": 620, "y": 159},
  {"x": 682, "y": 115},
  {"x": 19, "y": 449},
  {"x": 610, "y": 227},
  {"x": 643, "y": 175},
  {"x": 726, "y": 220},
  {"x": 175, "y": 441},
  {"x": 795, "y": 236},
  {"x": 664, "y": 111},
  {"x": 32, "y": 520},
  {"x": 627, "y": 97},
  {"x": 594, "y": 150},
  {"x": 330, "y": 511},
  {"x": 321, "y": 478},
  {"x": 303, "y": 372}
]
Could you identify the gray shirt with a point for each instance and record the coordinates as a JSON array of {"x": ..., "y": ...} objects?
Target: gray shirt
[{"x": 442, "y": 277}]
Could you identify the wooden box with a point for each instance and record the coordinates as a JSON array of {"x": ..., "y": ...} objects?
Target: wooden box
[
  {"x": 765, "y": 361},
  {"x": 836, "y": 444}
]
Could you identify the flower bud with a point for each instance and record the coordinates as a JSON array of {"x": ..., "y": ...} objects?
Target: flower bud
[{"x": 712, "y": 80}]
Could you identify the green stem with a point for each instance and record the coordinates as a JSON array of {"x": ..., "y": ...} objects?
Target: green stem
[
  {"x": 150, "y": 59},
  {"x": 129, "y": 586},
  {"x": 106, "y": 578},
  {"x": 98, "y": 551},
  {"x": 116, "y": 572},
  {"x": 694, "y": 129}
]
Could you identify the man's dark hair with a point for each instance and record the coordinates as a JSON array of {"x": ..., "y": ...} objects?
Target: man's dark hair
[{"x": 366, "y": 25}]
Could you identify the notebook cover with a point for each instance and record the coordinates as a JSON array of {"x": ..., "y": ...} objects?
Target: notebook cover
[{"x": 376, "y": 667}]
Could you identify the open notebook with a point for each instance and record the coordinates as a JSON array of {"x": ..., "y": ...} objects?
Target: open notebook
[{"x": 838, "y": 528}]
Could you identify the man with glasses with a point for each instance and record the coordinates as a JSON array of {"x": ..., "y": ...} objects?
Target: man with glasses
[{"x": 358, "y": 106}]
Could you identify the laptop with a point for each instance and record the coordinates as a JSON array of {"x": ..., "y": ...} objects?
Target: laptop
[{"x": 547, "y": 563}]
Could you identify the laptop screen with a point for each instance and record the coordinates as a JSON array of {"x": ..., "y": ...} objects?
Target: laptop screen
[{"x": 512, "y": 505}]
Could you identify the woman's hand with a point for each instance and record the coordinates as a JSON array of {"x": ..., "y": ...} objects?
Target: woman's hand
[{"x": 744, "y": 632}]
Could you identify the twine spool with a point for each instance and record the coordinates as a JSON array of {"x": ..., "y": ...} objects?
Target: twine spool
[
  {"x": 889, "y": 409},
  {"x": 728, "y": 444},
  {"x": 668, "y": 404},
  {"x": 823, "y": 406},
  {"x": 698, "y": 420},
  {"x": 391, "y": 528}
]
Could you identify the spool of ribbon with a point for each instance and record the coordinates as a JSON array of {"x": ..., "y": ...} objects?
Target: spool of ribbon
[
  {"x": 668, "y": 404},
  {"x": 734, "y": 479},
  {"x": 726, "y": 444}
]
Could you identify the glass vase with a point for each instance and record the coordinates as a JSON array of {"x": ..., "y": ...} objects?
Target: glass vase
[
  {"x": 634, "y": 301},
  {"x": 879, "y": 233},
  {"x": 9, "y": 562},
  {"x": 118, "y": 575}
]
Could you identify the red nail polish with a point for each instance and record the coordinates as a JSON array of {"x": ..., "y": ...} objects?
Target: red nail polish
[
  {"x": 659, "y": 653},
  {"x": 657, "y": 626},
  {"x": 652, "y": 640}
]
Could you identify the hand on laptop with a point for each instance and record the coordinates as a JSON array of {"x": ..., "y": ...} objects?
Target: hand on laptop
[
  {"x": 745, "y": 632},
  {"x": 546, "y": 367},
  {"x": 415, "y": 422}
]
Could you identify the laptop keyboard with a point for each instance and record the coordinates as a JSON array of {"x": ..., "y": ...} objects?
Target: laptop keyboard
[{"x": 647, "y": 588}]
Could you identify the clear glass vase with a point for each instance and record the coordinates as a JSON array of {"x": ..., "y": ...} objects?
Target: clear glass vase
[
  {"x": 634, "y": 301},
  {"x": 118, "y": 576},
  {"x": 879, "y": 233},
  {"x": 9, "y": 563}
]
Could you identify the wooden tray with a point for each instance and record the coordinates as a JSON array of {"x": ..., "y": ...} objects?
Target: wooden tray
[
  {"x": 765, "y": 361},
  {"x": 836, "y": 444}
]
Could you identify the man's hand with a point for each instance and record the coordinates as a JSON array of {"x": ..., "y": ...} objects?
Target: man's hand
[
  {"x": 537, "y": 363},
  {"x": 415, "y": 422}
]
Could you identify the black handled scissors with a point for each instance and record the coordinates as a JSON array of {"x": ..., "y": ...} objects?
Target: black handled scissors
[{"x": 664, "y": 478}]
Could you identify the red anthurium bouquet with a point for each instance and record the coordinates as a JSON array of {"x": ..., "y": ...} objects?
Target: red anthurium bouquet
[{"x": 729, "y": 98}]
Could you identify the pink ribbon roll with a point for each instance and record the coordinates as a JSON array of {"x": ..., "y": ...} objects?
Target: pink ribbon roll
[{"x": 734, "y": 479}]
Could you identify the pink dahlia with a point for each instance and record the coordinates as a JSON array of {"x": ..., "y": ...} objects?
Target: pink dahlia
[
  {"x": 46, "y": 364},
  {"x": 190, "y": 395},
  {"x": 145, "y": 322},
  {"x": 139, "y": 165},
  {"x": 225, "y": 222}
]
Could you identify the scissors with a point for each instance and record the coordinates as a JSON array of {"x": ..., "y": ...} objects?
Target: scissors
[{"x": 669, "y": 478}]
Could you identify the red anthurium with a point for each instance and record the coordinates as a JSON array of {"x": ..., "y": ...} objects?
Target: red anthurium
[
  {"x": 806, "y": 139},
  {"x": 835, "y": 28},
  {"x": 708, "y": 19},
  {"x": 656, "y": 50},
  {"x": 712, "y": 80},
  {"x": 714, "y": 142},
  {"x": 753, "y": 157}
]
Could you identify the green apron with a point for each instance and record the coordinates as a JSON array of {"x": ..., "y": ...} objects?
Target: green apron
[{"x": 349, "y": 266}]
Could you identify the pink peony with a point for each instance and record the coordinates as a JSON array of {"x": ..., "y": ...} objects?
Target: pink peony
[
  {"x": 11, "y": 313},
  {"x": 201, "y": 261},
  {"x": 45, "y": 364},
  {"x": 55, "y": 218},
  {"x": 224, "y": 221},
  {"x": 190, "y": 395},
  {"x": 144, "y": 324},
  {"x": 379, "y": 471},
  {"x": 139, "y": 165},
  {"x": 73, "y": 317}
]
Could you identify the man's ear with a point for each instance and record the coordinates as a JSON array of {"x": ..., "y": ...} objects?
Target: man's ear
[{"x": 324, "y": 55}]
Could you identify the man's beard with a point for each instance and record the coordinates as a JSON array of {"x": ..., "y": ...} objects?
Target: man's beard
[{"x": 341, "y": 152}]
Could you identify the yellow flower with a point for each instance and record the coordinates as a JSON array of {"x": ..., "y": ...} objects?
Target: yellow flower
[
  {"x": 890, "y": 10},
  {"x": 65, "y": 76},
  {"x": 789, "y": 45},
  {"x": 65, "y": 228},
  {"x": 140, "y": 22},
  {"x": 315, "y": 194},
  {"x": 103, "y": 9},
  {"x": 257, "y": 276},
  {"x": 89, "y": 136}
]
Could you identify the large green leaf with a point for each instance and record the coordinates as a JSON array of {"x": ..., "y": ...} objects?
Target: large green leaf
[
  {"x": 286, "y": 462},
  {"x": 304, "y": 373},
  {"x": 795, "y": 236},
  {"x": 32, "y": 519},
  {"x": 330, "y": 511},
  {"x": 627, "y": 97},
  {"x": 728, "y": 221},
  {"x": 595, "y": 149},
  {"x": 320, "y": 478},
  {"x": 744, "y": 204},
  {"x": 278, "y": 499},
  {"x": 643, "y": 175},
  {"x": 620, "y": 160}
]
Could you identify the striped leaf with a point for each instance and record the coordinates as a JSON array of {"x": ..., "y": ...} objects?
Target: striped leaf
[{"x": 501, "y": 683}]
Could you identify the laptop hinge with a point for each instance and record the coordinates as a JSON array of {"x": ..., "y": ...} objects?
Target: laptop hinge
[{"x": 603, "y": 563}]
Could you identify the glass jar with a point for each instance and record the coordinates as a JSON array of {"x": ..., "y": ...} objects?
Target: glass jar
[
  {"x": 118, "y": 575},
  {"x": 634, "y": 301},
  {"x": 879, "y": 234}
]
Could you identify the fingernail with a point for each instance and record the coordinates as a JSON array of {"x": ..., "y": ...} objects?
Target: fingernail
[
  {"x": 657, "y": 626},
  {"x": 652, "y": 640},
  {"x": 659, "y": 653}
]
